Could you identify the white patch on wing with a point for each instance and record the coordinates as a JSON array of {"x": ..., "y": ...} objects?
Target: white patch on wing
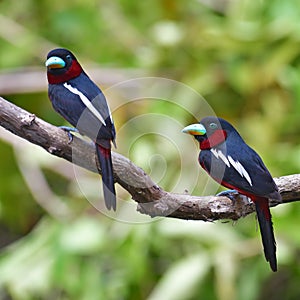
[
  {"x": 214, "y": 152},
  {"x": 218, "y": 154},
  {"x": 223, "y": 157},
  {"x": 239, "y": 167},
  {"x": 229, "y": 161},
  {"x": 110, "y": 115},
  {"x": 86, "y": 102}
]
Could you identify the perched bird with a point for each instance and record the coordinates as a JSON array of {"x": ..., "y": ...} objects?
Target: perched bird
[
  {"x": 81, "y": 102},
  {"x": 231, "y": 162}
]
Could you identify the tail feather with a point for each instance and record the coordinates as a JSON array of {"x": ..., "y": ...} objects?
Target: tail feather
[
  {"x": 266, "y": 230},
  {"x": 104, "y": 157}
]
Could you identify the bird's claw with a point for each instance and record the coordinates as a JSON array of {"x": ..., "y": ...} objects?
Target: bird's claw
[
  {"x": 231, "y": 194},
  {"x": 68, "y": 130},
  {"x": 234, "y": 195}
]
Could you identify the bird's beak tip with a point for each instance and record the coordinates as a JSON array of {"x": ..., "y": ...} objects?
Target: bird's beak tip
[
  {"x": 55, "y": 62},
  {"x": 194, "y": 129}
]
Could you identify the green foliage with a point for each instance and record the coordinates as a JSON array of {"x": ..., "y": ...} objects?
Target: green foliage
[{"x": 243, "y": 58}]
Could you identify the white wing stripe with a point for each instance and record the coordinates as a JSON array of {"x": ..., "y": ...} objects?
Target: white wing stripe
[
  {"x": 86, "y": 102},
  {"x": 247, "y": 176},
  {"x": 223, "y": 157},
  {"x": 230, "y": 161},
  {"x": 239, "y": 167},
  {"x": 218, "y": 154},
  {"x": 214, "y": 152},
  {"x": 235, "y": 165}
]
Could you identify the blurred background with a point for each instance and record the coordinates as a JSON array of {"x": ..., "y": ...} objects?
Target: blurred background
[{"x": 241, "y": 56}]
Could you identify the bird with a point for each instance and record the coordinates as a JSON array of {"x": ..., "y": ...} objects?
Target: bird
[
  {"x": 81, "y": 102},
  {"x": 226, "y": 157}
]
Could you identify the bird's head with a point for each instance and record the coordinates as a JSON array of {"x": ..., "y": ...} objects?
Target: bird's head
[
  {"x": 210, "y": 131},
  {"x": 62, "y": 66}
]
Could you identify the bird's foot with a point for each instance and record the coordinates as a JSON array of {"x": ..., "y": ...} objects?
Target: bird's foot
[
  {"x": 234, "y": 195},
  {"x": 68, "y": 130},
  {"x": 231, "y": 194}
]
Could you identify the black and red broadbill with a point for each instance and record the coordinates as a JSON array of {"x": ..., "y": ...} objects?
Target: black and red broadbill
[
  {"x": 81, "y": 102},
  {"x": 231, "y": 162}
]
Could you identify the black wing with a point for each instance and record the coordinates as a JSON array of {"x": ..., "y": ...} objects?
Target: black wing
[
  {"x": 240, "y": 168},
  {"x": 84, "y": 106}
]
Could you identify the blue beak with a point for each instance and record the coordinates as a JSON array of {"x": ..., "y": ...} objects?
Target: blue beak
[
  {"x": 195, "y": 129},
  {"x": 55, "y": 62}
]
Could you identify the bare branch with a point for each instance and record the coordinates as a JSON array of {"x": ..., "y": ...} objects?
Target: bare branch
[{"x": 152, "y": 199}]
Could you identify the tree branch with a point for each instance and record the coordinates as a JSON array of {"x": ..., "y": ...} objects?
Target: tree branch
[{"x": 152, "y": 199}]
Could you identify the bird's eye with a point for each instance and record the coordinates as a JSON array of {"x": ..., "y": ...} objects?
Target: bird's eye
[
  {"x": 213, "y": 125},
  {"x": 68, "y": 57}
]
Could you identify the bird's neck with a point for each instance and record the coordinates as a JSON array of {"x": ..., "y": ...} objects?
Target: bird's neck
[
  {"x": 218, "y": 137},
  {"x": 57, "y": 77}
]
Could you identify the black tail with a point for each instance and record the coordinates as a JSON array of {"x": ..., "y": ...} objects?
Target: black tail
[
  {"x": 104, "y": 157},
  {"x": 266, "y": 230}
]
